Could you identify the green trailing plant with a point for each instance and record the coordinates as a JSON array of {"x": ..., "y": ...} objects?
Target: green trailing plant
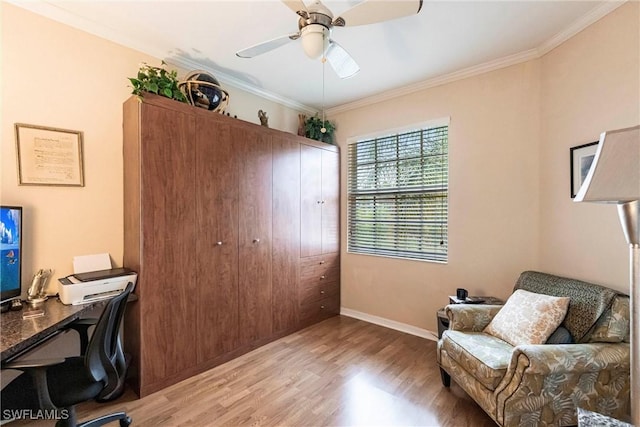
[
  {"x": 313, "y": 129},
  {"x": 157, "y": 80}
]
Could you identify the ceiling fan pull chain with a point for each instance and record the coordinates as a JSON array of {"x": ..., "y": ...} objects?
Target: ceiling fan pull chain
[{"x": 324, "y": 60}]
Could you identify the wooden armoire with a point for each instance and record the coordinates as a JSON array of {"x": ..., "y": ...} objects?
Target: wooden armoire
[{"x": 233, "y": 229}]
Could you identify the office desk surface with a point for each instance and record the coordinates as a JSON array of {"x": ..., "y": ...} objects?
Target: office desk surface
[{"x": 18, "y": 334}]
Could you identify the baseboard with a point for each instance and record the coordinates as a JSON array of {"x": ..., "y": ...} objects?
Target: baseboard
[{"x": 391, "y": 324}]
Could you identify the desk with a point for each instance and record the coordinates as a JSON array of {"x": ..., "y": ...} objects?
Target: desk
[{"x": 18, "y": 335}]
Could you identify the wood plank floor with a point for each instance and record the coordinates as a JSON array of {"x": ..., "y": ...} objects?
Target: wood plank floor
[{"x": 341, "y": 372}]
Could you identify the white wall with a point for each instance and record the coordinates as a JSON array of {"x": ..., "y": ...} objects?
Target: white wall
[{"x": 54, "y": 75}]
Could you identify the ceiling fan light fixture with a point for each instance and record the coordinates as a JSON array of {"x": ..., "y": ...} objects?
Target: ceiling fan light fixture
[{"x": 315, "y": 40}]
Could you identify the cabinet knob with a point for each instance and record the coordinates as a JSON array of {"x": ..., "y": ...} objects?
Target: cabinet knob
[
  {"x": 322, "y": 292},
  {"x": 319, "y": 201},
  {"x": 322, "y": 277},
  {"x": 256, "y": 240},
  {"x": 322, "y": 202},
  {"x": 322, "y": 307},
  {"x": 321, "y": 262},
  {"x": 219, "y": 243}
]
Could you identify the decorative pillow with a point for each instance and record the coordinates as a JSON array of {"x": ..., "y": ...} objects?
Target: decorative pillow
[
  {"x": 528, "y": 318},
  {"x": 560, "y": 336},
  {"x": 613, "y": 325}
]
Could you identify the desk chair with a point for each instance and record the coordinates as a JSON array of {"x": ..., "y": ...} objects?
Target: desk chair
[{"x": 60, "y": 384}]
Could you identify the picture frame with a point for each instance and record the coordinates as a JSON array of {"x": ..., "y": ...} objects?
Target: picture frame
[
  {"x": 581, "y": 157},
  {"x": 49, "y": 156}
]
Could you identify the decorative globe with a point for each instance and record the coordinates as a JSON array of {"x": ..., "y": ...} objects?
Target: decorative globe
[{"x": 203, "y": 90}]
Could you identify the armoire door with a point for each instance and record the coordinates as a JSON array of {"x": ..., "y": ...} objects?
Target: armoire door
[
  {"x": 311, "y": 200},
  {"x": 286, "y": 233},
  {"x": 168, "y": 225},
  {"x": 254, "y": 232},
  {"x": 330, "y": 202},
  {"x": 216, "y": 169}
]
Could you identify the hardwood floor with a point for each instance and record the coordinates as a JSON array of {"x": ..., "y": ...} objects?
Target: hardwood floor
[{"x": 341, "y": 372}]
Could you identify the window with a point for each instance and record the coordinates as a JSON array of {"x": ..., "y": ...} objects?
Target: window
[{"x": 398, "y": 194}]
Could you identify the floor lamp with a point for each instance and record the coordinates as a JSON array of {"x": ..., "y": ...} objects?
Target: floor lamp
[{"x": 614, "y": 177}]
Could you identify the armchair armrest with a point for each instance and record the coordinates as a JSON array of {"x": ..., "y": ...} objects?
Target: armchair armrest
[
  {"x": 546, "y": 359},
  {"x": 555, "y": 379},
  {"x": 470, "y": 317},
  {"x": 37, "y": 369}
]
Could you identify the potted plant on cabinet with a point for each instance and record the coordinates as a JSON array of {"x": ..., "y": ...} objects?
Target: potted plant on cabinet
[
  {"x": 157, "y": 80},
  {"x": 320, "y": 130}
]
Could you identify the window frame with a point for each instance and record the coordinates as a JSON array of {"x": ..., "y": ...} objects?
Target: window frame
[{"x": 441, "y": 122}]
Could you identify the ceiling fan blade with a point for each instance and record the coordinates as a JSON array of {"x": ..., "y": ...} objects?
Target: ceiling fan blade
[
  {"x": 341, "y": 62},
  {"x": 267, "y": 46},
  {"x": 297, "y": 6},
  {"x": 373, "y": 11}
]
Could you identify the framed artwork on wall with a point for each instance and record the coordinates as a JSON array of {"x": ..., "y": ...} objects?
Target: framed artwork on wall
[
  {"x": 49, "y": 156},
  {"x": 581, "y": 159}
]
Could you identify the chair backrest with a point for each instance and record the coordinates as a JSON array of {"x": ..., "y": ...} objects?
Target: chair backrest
[
  {"x": 588, "y": 300},
  {"x": 104, "y": 358}
]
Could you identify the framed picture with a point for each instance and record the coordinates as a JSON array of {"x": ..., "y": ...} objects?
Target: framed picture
[
  {"x": 581, "y": 159},
  {"x": 49, "y": 156}
]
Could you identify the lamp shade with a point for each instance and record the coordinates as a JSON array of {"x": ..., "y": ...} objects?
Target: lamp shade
[{"x": 614, "y": 176}]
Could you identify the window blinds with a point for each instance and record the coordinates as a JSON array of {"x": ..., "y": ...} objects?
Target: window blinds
[{"x": 398, "y": 195}]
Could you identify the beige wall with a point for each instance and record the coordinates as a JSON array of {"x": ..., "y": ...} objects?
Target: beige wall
[
  {"x": 493, "y": 195},
  {"x": 54, "y": 75},
  {"x": 509, "y": 207},
  {"x": 590, "y": 84}
]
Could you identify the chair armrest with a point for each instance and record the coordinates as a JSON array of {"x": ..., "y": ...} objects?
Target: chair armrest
[
  {"x": 23, "y": 365},
  {"x": 37, "y": 369},
  {"x": 470, "y": 317},
  {"x": 555, "y": 379},
  {"x": 548, "y": 359},
  {"x": 82, "y": 327}
]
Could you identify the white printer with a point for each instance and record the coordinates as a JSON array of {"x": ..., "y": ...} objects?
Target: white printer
[{"x": 82, "y": 288}]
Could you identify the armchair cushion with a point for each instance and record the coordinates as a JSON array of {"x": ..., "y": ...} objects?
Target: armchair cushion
[
  {"x": 528, "y": 318},
  {"x": 485, "y": 356}
]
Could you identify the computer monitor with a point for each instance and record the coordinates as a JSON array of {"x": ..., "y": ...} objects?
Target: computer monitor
[{"x": 10, "y": 252}]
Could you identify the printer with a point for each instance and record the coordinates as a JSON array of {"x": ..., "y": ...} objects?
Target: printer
[{"x": 83, "y": 288}]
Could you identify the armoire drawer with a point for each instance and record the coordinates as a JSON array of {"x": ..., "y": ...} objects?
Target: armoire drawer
[
  {"x": 320, "y": 262},
  {"x": 315, "y": 277},
  {"x": 309, "y": 294},
  {"x": 326, "y": 307}
]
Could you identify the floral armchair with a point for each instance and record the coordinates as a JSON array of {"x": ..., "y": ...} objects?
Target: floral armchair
[{"x": 544, "y": 384}]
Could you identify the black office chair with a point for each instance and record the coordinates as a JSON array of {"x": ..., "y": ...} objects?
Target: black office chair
[{"x": 62, "y": 383}]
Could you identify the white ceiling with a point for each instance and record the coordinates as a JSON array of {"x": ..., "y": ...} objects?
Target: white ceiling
[{"x": 446, "y": 40}]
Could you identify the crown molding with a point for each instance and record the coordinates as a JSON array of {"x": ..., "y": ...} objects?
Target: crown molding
[
  {"x": 59, "y": 14},
  {"x": 580, "y": 24},
  {"x": 437, "y": 81},
  {"x": 242, "y": 85},
  {"x": 548, "y": 45}
]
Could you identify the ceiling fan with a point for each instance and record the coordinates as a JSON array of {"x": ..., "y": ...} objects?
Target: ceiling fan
[{"x": 316, "y": 22}]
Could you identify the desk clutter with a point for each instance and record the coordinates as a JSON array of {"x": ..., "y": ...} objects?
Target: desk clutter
[
  {"x": 97, "y": 373},
  {"x": 37, "y": 291}
]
